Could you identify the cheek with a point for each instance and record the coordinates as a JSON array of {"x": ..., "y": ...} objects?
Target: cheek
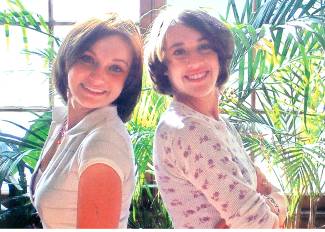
[
  {"x": 72, "y": 74},
  {"x": 173, "y": 70},
  {"x": 69, "y": 78},
  {"x": 73, "y": 80},
  {"x": 77, "y": 73},
  {"x": 217, "y": 69},
  {"x": 118, "y": 84},
  {"x": 171, "y": 76},
  {"x": 216, "y": 65}
]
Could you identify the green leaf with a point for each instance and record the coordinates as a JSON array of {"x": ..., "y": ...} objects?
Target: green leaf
[
  {"x": 307, "y": 7},
  {"x": 234, "y": 10},
  {"x": 286, "y": 48},
  {"x": 241, "y": 76},
  {"x": 296, "y": 6}
]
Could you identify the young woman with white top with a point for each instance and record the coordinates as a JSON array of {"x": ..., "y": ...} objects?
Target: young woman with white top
[{"x": 85, "y": 175}]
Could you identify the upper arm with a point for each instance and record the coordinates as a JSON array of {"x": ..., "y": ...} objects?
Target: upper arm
[
  {"x": 99, "y": 197},
  {"x": 107, "y": 148}
]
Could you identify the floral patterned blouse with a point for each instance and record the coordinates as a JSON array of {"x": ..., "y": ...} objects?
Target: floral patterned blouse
[{"x": 204, "y": 174}]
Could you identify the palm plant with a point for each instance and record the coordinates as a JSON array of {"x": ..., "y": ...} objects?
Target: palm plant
[
  {"x": 147, "y": 209},
  {"x": 22, "y": 153},
  {"x": 18, "y": 15},
  {"x": 279, "y": 59},
  {"x": 271, "y": 63},
  {"x": 146, "y": 206}
]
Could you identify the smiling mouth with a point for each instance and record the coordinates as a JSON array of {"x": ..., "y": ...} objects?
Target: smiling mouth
[
  {"x": 93, "y": 90},
  {"x": 197, "y": 76}
]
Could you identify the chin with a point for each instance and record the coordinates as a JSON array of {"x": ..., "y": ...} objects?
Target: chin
[
  {"x": 200, "y": 94},
  {"x": 92, "y": 106}
]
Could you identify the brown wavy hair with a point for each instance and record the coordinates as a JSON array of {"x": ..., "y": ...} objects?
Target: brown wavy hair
[
  {"x": 217, "y": 34},
  {"x": 82, "y": 37}
]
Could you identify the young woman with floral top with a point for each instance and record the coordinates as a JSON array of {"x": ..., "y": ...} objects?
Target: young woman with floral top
[{"x": 204, "y": 175}]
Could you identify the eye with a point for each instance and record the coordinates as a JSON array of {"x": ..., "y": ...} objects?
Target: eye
[
  {"x": 115, "y": 68},
  {"x": 205, "y": 47},
  {"x": 179, "y": 52},
  {"x": 87, "y": 59}
]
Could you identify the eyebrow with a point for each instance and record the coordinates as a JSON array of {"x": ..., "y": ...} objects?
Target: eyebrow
[
  {"x": 122, "y": 61},
  {"x": 178, "y": 44},
  {"x": 116, "y": 60}
]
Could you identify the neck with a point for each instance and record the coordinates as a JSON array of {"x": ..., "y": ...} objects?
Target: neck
[
  {"x": 75, "y": 114},
  {"x": 208, "y": 105}
]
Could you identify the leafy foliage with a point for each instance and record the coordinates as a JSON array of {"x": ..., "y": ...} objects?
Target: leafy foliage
[
  {"x": 22, "y": 154},
  {"x": 278, "y": 61},
  {"x": 18, "y": 15},
  {"x": 147, "y": 210}
]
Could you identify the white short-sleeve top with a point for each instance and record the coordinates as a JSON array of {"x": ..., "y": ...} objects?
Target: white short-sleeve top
[
  {"x": 204, "y": 174},
  {"x": 100, "y": 137}
]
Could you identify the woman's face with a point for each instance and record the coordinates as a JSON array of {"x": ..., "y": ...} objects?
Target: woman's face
[
  {"x": 193, "y": 66},
  {"x": 98, "y": 76}
]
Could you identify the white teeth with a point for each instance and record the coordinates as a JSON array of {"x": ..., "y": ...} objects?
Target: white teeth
[
  {"x": 196, "y": 76},
  {"x": 95, "y": 90}
]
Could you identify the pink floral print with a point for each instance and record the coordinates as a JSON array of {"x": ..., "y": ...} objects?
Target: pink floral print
[{"x": 203, "y": 174}]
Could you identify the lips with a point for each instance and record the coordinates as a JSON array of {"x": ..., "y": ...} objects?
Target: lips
[
  {"x": 197, "y": 76},
  {"x": 93, "y": 90}
]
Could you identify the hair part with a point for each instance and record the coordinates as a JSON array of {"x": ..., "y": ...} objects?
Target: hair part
[
  {"x": 217, "y": 34},
  {"x": 86, "y": 34}
]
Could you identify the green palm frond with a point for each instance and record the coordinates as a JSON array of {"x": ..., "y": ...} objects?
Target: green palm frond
[
  {"x": 282, "y": 64},
  {"x": 18, "y": 15}
]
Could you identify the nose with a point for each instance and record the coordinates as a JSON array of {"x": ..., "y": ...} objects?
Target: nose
[
  {"x": 194, "y": 59},
  {"x": 97, "y": 75}
]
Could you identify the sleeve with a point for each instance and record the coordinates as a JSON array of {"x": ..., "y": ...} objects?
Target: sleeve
[
  {"x": 281, "y": 202},
  {"x": 205, "y": 158},
  {"x": 110, "y": 149},
  {"x": 276, "y": 194},
  {"x": 234, "y": 132}
]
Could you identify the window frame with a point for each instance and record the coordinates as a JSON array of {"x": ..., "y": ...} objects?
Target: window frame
[{"x": 147, "y": 14}]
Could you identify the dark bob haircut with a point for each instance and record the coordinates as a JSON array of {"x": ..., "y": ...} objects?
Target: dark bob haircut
[
  {"x": 82, "y": 37},
  {"x": 219, "y": 37}
]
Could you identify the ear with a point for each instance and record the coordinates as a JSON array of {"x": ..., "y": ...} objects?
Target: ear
[
  {"x": 68, "y": 93},
  {"x": 166, "y": 73}
]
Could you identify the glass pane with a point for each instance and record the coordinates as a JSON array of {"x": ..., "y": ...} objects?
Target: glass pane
[
  {"x": 215, "y": 8},
  {"x": 23, "y": 78},
  {"x": 86, "y": 9},
  {"x": 24, "y": 119},
  {"x": 39, "y": 7},
  {"x": 61, "y": 31}
]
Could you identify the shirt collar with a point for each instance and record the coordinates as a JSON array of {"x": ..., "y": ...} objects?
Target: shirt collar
[
  {"x": 89, "y": 121},
  {"x": 185, "y": 108}
]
